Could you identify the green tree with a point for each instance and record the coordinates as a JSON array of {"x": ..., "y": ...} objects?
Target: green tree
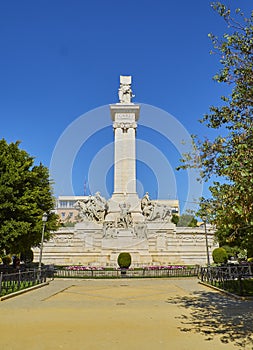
[
  {"x": 175, "y": 219},
  {"x": 25, "y": 194},
  {"x": 227, "y": 158},
  {"x": 187, "y": 220}
]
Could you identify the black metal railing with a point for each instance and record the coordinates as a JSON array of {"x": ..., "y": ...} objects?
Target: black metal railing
[
  {"x": 13, "y": 282},
  {"x": 129, "y": 273},
  {"x": 235, "y": 279}
]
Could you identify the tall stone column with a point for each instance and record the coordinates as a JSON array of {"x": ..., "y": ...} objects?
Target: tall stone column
[
  {"x": 125, "y": 115},
  {"x": 124, "y": 158},
  {"x": 118, "y": 156},
  {"x": 131, "y": 166}
]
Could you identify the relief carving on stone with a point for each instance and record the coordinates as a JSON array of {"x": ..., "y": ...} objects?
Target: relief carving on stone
[
  {"x": 140, "y": 230},
  {"x": 124, "y": 126},
  {"x": 124, "y": 222},
  {"x": 109, "y": 230}
]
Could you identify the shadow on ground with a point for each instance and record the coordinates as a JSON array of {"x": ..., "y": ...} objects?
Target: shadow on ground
[{"x": 213, "y": 314}]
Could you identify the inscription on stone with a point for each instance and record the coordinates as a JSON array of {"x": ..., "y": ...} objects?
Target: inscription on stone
[{"x": 124, "y": 116}]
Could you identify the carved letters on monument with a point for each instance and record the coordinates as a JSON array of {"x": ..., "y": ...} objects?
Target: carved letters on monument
[{"x": 125, "y": 116}]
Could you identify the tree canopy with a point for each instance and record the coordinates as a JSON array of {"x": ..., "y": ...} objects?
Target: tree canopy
[
  {"x": 227, "y": 158},
  {"x": 25, "y": 194},
  {"x": 184, "y": 220}
]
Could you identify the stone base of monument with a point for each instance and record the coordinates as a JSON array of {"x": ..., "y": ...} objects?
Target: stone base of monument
[{"x": 86, "y": 244}]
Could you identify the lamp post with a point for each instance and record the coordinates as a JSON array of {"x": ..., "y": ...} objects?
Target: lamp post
[
  {"x": 44, "y": 220},
  {"x": 207, "y": 248}
]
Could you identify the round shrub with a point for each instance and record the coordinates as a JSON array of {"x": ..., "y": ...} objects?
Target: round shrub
[
  {"x": 124, "y": 260},
  {"x": 6, "y": 260},
  {"x": 220, "y": 256}
]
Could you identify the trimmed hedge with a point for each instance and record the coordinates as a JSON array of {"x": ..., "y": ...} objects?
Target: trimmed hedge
[
  {"x": 124, "y": 260},
  {"x": 220, "y": 256}
]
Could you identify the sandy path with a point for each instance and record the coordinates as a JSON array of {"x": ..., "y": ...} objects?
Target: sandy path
[{"x": 127, "y": 314}]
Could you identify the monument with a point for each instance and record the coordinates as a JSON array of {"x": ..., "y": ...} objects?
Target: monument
[
  {"x": 125, "y": 222},
  {"x": 125, "y": 115}
]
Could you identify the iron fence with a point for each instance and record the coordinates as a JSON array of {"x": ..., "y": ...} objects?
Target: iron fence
[
  {"x": 12, "y": 282},
  {"x": 233, "y": 278},
  {"x": 129, "y": 273}
]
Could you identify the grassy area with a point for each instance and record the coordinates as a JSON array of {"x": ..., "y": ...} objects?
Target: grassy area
[
  {"x": 239, "y": 287},
  {"x": 8, "y": 288}
]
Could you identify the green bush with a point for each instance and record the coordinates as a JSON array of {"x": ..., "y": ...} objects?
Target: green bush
[
  {"x": 250, "y": 260},
  {"x": 27, "y": 256},
  {"x": 6, "y": 260},
  {"x": 124, "y": 260},
  {"x": 231, "y": 251},
  {"x": 220, "y": 256}
]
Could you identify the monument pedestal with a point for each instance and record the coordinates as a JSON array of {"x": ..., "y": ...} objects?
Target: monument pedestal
[{"x": 130, "y": 199}]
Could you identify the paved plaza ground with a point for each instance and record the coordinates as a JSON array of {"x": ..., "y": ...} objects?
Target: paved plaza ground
[{"x": 126, "y": 314}]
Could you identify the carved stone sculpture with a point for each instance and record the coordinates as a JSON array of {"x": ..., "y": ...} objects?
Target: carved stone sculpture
[
  {"x": 147, "y": 206},
  {"x": 154, "y": 211},
  {"x": 160, "y": 211},
  {"x": 92, "y": 209},
  {"x": 125, "y": 91},
  {"x": 125, "y": 219}
]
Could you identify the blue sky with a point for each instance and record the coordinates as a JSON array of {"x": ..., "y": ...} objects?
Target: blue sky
[{"x": 61, "y": 59}]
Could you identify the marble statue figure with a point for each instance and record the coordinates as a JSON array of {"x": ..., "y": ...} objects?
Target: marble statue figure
[
  {"x": 125, "y": 91},
  {"x": 155, "y": 211},
  {"x": 92, "y": 209}
]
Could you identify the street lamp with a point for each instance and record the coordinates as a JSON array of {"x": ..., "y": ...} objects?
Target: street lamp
[
  {"x": 207, "y": 248},
  {"x": 44, "y": 220}
]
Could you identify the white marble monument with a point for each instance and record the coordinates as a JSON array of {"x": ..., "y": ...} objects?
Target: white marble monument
[
  {"x": 126, "y": 222},
  {"x": 125, "y": 115}
]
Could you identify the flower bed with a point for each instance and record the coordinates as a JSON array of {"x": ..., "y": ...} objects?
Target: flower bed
[
  {"x": 167, "y": 267},
  {"x": 84, "y": 268},
  {"x": 101, "y": 268}
]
